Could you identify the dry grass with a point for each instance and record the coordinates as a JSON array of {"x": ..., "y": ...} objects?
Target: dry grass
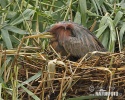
[
  {"x": 49, "y": 77},
  {"x": 46, "y": 75}
]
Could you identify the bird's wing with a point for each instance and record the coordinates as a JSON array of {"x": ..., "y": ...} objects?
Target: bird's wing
[
  {"x": 86, "y": 36},
  {"x": 75, "y": 47},
  {"x": 82, "y": 42}
]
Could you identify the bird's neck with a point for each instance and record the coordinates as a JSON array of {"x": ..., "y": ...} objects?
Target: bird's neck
[{"x": 63, "y": 35}]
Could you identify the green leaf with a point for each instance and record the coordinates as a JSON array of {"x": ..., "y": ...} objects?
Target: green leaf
[
  {"x": 101, "y": 30},
  {"x": 122, "y": 4},
  {"x": 27, "y": 4},
  {"x": 103, "y": 21},
  {"x": 4, "y": 64},
  {"x": 91, "y": 13},
  {"x": 112, "y": 29},
  {"x": 95, "y": 6},
  {"x": 77, "y": 18},
  {"x": 15, "y": 29},
  {"x": 102, "y": 26},
  {"x": 112, "y": 35},
  {"x": 14, "y": 39},
  {"x": 107, "y": 24},
  {"x": 6, "y": 38},
  {"x": 83, "y": 8},
  {"x": 11, "y": 14},
  {"x": 24, "y": 16},
  {"x": 105, "y": 38},
  {"x": 37, "y": 75},
  {"x": 118, "y": 17},
  {"x": 30, "y": 93},
  {"x": 3, "y": 3},
  {"x": 99, "y": 6},
  {"x": 121, "y": 33}
]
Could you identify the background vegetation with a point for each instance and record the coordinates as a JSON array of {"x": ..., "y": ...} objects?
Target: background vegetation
[{"x": 18, "y": 18}]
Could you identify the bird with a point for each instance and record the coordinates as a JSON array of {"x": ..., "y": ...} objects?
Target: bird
[{"x": 70, "y": 38}]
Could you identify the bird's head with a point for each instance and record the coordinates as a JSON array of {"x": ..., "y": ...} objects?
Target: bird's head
[{"x": 61, "y": 31}]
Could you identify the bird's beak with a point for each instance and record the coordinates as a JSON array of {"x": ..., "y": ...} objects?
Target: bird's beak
[
  {"x": 45, "y": 35},
  {"x": 41, "y": 35}
]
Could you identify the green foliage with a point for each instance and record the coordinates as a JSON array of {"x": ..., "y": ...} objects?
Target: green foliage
[{"x": 19, "y": 18}]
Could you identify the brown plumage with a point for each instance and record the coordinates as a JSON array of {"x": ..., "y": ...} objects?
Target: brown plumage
[{"x": 71, "y": 38}]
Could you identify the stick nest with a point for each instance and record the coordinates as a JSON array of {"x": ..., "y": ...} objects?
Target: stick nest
[{"x": 62, "y": 79}]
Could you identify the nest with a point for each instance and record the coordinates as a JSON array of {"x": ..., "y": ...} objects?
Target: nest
[{"x": 52, "y": 78}]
